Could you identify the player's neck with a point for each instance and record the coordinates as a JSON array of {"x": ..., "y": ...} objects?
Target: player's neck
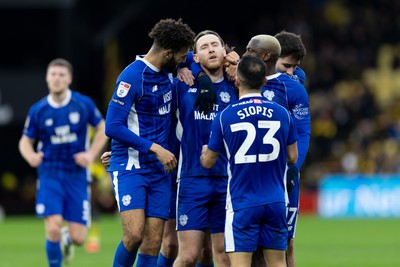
[
  {"x": 154, "y": 57},
  {"x": 249, "y": 92},
  {"x": 59, "y": 97},
  {"x": 215, "y": 75},
  {"x": 271, "y": 70}
]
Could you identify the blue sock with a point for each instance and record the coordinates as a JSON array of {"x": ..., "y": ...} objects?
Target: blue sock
[
  {"x": 145, "y": 260},
  {"x": 164, "y": 262},
  {"x": 122, "y": 257},
  {"x": 203, "y": 265},
  {"x": 54, "y": 255}
]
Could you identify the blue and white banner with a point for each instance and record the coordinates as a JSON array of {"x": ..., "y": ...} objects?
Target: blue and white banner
[{"x": 373, "y": 196}]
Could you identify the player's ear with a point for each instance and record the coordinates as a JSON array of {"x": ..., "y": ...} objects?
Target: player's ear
[
  {"x": 168, "y": 54},
  {"x": 196, "y": 58},
  {"x": 266, "y": 56}
]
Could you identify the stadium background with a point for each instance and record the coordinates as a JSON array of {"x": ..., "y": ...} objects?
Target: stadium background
[{"x": 352, "y": 67}]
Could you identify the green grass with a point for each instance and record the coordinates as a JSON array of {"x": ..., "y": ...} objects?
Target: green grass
[
  {"x": 319, "y": 243},
  {"x": 347, "y": 242},
  {"x": 22, "y": 243}
]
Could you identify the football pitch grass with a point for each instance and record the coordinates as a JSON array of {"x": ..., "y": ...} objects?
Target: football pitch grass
[{"x": 319, "y": 242}]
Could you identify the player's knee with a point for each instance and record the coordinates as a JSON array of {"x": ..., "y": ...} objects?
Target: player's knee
[
  {"x": 153, "y": 241},
  {"x": 78, "y": 236},
  {"x": 151, "y": 245},
  {"x": 132, "y": 240},
  {"x": 188, "y": 259},
  {"x": 53, "y": 233},
  {"x": 222, "y": 259},
  {"x": 78, "y": 240},
  {"x": 206, "y": 255}
]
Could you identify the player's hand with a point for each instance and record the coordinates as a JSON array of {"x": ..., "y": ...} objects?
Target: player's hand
[
  {"x": 167, "y": 158},
  {"x": 35, "y": 159},
  {"x": 207, "y": 97},
  {"x": 204, "y": 149},
  {"x": 231, "y": 72},
  {"x": 231, "y": 61},
  {"x": 185, "y": 75},
  {"x": 292, "y": 176},
  {"x": 105, "y": 158},
  {"x": 232, "y": 58},
  {"x": 84, "y": 158}
]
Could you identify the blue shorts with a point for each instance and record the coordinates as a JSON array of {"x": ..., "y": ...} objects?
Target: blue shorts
[
  {"x": 293, "y": 209},
  {"x": 67, "y": 194},
  {"x": 201, "y": 204},
  {"x": 174, "y": 188},
  {"x": 263, "y": 226},
  {"x": 136, "y": 189}
]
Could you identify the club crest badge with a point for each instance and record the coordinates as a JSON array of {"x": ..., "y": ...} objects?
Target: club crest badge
[
  {"x": 48, "y": 122},
  {"x": 74, "y": 117},
  {"x": 225, "y": 97},
  {"x": 126, "y": 200},
  {"x": 183, "y": 219},
  {"x": 269, "y": 95}
]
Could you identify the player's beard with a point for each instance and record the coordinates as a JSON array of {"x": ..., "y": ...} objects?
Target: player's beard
[
  {"x": 170, "y": 65},
  {"x": 212, "y": 66}
]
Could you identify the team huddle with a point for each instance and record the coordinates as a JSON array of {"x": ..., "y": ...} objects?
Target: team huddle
[{"x": 205, "y": 164}]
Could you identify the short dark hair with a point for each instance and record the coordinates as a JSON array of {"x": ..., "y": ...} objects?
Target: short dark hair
[
  {"x": 206, "y": 32},
  {"x": 291, "y": 45},
  {"x": 172, "y": 34},
  {"x": 61, "y": 62},
  {"x": 251, "y": 72}
]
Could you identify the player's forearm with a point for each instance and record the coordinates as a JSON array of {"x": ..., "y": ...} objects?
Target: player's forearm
[
  {"x": 302, "y": 145},
  {"x": 208, "y": 158},
  {"x": 292, "y": 153},
  {"x": 116, "y": 130},
  {"x": 129, "y": 139},
  {"x": 25, "y": 147},
  {"x": 156, "y": 148},
  {"x": 99, "y": 141}
]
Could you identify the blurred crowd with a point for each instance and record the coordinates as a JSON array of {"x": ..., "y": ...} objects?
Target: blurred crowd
[{"x": 352, "y": 66}]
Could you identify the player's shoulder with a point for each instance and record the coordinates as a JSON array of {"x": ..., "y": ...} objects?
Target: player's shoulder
[
  {"x": 131, "y": 75},
  {"x": 293, "y": 85},
  {"x": 138, "y": 65},
  {"x": 77, "y": 96},
  {"x": 299, "y": 75},
  {"x": 82, "y": 100},
  {"x": 275, "y": 81},
  {"x": 42, "y": 103}
]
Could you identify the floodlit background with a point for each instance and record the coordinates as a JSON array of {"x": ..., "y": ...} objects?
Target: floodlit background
[{"x": 353, "y": 79}]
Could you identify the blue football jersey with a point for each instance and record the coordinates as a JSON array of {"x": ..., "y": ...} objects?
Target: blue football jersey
[
  {"x": 196, "y": 127},
  {"x": 255, "y": 133},
  {"x": 285, "y": 91},
  {"x": 299, "y": 75},
  {"x": 62, "y": 130},
  {"x": 139, "y": 114}
]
